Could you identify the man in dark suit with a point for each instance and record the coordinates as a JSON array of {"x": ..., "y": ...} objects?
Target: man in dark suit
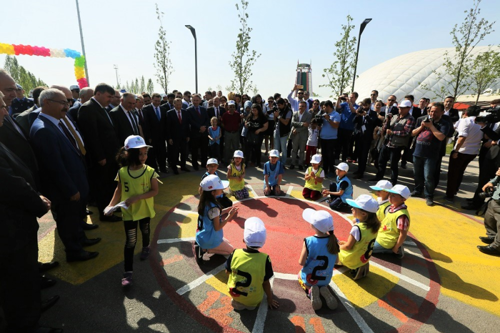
[
  {"x": 85, "y": 95},
  {"x": 154, "y": 115},
  {"x": 102, "y": 145},
  {"x": 26, "y": 118},
  {"x": 198, "y": 138},
  {"x": 391, "y": 106},
  {"x": 449, "y": 101},
  {"x": 115, "y": 100},
  {"x": 64, "y": 179},
  {"x": 177, "y": 135},
  {"x": 125, "y": 121}
]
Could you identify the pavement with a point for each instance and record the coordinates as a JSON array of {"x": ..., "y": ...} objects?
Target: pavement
[{"x": 443, "y": 283}]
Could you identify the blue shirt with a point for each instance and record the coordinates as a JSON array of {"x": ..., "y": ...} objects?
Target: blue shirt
[
  {"x": 206, "y": 236},
  {"x": 273, "y": 171},
  {"x": 346, "y": 116},
  {"x": 213, "y": 134},
  {"x": 327, "y": 131},
  {"x": 318, "y": 269}
]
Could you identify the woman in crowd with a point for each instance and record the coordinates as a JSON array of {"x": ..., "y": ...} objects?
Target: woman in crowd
[{"x": 256, "y": 124}]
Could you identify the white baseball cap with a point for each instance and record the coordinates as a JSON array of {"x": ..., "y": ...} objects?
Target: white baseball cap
[
  {"x": 316, "y": 159},
  {"x": 238, "y": 153},
  {"x": 401, "y": 190},
  {"x": 405, "y": 104},
  {"x": 231, "y": 102},
  {"x": 274, "y": 153},
  {"x": 74, "y": 87},
  {"x": 343, "y": 166},
  {"x": 320, "y": 219},
  {"x": 382, "y": 185},
  {"x": 212, "y": 183},
  {"x": 212, "y": 161},
  {"x": 135, "y": 141},
  {"x": 364, "y": 202},
  {"x": 255, "y": 233}
]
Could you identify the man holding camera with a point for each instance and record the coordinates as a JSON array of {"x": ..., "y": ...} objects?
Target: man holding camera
[
  {"x": 282, "y": 116},
  {"x": 431, "y": 132},
  {"x": 492, "y": 219}
]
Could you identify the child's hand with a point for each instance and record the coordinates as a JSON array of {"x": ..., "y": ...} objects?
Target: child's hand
[
  {"x": 130, "y": 201},
  {"x": 232, "y": 213},
  {"x": 341, "y": 242},
  {"x": 272, "y": 303},
  {"x": 109, "y": 213},
  {"x": 325, "y": 192}
]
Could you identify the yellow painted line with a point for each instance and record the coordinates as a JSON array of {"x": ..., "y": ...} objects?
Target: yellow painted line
[
  {"x": 451, "y": 239},
  {"x": 187, "y": 228},
  {"x": 219, "y": 282}
]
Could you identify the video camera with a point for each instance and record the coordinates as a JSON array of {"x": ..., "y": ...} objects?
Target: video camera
[
  {"x": 488, "y": 193},
  {"x": 492, "y": 118}
]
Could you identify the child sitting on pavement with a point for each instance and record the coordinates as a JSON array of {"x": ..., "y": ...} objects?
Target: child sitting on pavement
[
  {"x": 224, "y": 201},
  {"x": 273, "y": 174},
  {"x": 314, "y": 179},
  {"x": 380, "y": 190},
  {"x": 341, "y": 189}
]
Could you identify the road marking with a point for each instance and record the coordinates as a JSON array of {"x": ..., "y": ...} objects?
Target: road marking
[
  {"x": 190, "y": 286},
  {"x": 262, "y": 312},
  {"x": 184, "y": 211},
  {"x": 175, "y": 240},
  {"x": 401, "y": 276},
  {"x": 352, "y": 311},
  {"x": 289, "y": 191},
  {"x": 250, "y": 188}
]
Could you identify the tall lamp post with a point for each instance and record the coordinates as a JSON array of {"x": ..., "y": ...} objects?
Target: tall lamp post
[
  {"x": 193, "y": 31},
  {"x": 83, "y": 45},
  {"x": 361, "y": 28}
]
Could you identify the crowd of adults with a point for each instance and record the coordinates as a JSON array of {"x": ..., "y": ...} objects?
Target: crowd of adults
[{"x": 58, "y": 152}]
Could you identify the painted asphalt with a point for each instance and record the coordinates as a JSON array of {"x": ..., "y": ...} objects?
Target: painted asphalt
[{"x": 442, "y": 284}]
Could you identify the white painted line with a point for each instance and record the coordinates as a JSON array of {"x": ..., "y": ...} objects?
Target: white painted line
[
  {"x": 284, "y": 276},
  {"x": 184, "y": 211},
  {"x": 190, "y": 286},
  {"x": 250, "y": 188},
  {"x": 175, "y": 240},
  {"x": 262, "y": 313},
  {"x": 401, "y": 276},
  {"x": 350, "y": 308},
  {"x": 289, "y": 191}
]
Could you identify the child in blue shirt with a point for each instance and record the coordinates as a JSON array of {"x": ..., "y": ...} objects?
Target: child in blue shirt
[
  {"x": 214, "y": 134},
  {"x": 341, "y": 189},
  {"x": 273, "y": 174}
]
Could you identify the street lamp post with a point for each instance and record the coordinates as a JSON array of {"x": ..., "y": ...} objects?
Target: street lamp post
[
  {"x": 193, "y": 31},
  {"x": 83, "y": 45},
  {"x": 361, "y": 28}
]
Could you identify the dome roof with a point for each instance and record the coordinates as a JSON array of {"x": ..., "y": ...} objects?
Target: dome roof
[{"x": 405, "y": 74}]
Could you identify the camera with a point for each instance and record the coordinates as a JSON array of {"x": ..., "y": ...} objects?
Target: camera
[
  {"x": 427, "y": 120},
  {"x": 488, "y": 193},
  {"x": 492, "y": 118},
  {"x": 318, "y": 118}
]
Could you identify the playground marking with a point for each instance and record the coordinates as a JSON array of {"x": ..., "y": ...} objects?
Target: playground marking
[
  {"x": 175, "y": 240},
  {"x": 262, "y": 313},
  {"x": 401, "y": 276},
  {"x": 190, "y": 286}
]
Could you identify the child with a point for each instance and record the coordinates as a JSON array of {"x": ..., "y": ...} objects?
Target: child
[
  {"x": 214, "y": 134},
  {"x": 137, "y": 185},
  {"x": 314, "y": 179},
  {"x": 236, "y": 174},
  {"x": 273, "y": 174},
  {"x": 209, "y": 234},
  {"x": 382, "y": 197},
  {"x": 396, "y": 223},
  {"x": 341, "y": 189},
  {"x": 357, "y": 250},
  {"x": 318, "y": 256},
  {"x": 250, "y": 270},
  {"x": 312, "y": 140},
  {"x": 212, "y": 166}
]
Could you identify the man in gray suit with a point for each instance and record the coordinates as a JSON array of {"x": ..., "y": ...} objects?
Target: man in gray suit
[{"x": 300, "y": 124}]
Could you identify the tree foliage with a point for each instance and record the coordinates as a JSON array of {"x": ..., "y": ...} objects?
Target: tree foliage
[
  {"x": 150, "y": 87},
  {"x": 339, "y": 74},
  {"x": 137, "y": 86},
  {"x": 22, "y": 76},
  {"x": 485, "y": 70},
  {"x": 243, "y": 57},
  {"x": 163, "y": 64}
]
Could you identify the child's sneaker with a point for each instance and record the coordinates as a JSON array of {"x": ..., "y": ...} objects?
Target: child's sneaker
[
  {"x": 127, "y": 279},
  {"x": 331, "y": 301},
  {"x": 361, "y": 272},
  {"x": 145, "y": 253},
  {"x": 315, "y": 298},
  {"x": 401, "y": 252},
  {"x": 198, "y": 253}
]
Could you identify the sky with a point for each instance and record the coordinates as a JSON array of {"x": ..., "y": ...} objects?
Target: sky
[{"x": 123, "y": 33}]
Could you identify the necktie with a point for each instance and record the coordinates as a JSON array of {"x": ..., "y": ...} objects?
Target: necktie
[
  {"x": 132, "y": 122},
  {"x": 198, "y": 110},
  {"x": 76, "y": 136},
  {"x": 179, "y": 115},
  {"x": 107, "y": 115},
  {"x": 68, "y": 135},
  {"x": 217, "y": 112},
  {"x": 158, "y": 113}
]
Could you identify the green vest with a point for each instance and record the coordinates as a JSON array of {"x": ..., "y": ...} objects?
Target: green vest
[
  {"x": 234, "y": 184},
  {"x": 381, "y": 210},
  {"x": 311, "y": 183},
  {"x": 361, "y": 251},
  {"x": 247, "y": 276},
  {"x": 137, "y": 185},
  {"x": 389, "y": 232}
]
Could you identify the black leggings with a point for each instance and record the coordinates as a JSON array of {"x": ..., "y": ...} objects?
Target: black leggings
[{"x": 131, "y": 234}]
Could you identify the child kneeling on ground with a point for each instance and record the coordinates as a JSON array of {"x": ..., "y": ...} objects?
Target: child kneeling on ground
[
  {"x": 314, "y": 179},
  {"x": 250, "y": 270},
  {"x": 380, "y": 190},
  {"x": 273, "y": 174},
  {"x": 341, "y": 189}
]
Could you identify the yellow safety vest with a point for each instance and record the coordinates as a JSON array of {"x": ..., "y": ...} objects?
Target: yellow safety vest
[
  {"x": 234, "y": 184},
  {"x": 135, "y": 182},
  {"x": 362, "y": 249},
  {"x": 311, "y": 183},
  {"x": 388, "y": 233},
  {"x": 381, "y": 210}
]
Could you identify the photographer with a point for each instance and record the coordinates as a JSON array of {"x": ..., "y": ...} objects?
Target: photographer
[
  {"x": 282, "y": 116},
  {"x": 346, "y": 107},
  {"x": 328, "y": 136},
  {"x": 430, "y": 131},
  {"x": 492, "y": 219}
]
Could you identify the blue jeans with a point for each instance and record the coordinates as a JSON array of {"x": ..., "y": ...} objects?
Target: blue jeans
[
  {"x": 280, "y": 144},
  {"x": 424, "y": 170},
  {"x": 377, "y": 248}
]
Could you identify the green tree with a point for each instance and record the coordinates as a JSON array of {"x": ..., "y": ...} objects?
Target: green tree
[
  {"x": 163, "y": 64},
  {"x": 142, "y": 87},
  {"x": 22, "y": 76},
  {"x": 485, "y": 70},
  {"x": 455, "y": 72},
  {"x": 150, "y": 87},
  {"x": 243, "y": 57},
  {"x": 339, "y": 74}
]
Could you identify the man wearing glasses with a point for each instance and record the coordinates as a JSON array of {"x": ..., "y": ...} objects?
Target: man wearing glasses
[{"x": 391, "y": 106}]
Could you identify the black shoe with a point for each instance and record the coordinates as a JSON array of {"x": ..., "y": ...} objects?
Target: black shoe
[
  {"x": 87, "y": 226},
  {"x": 82, "y": 256},
  {"x": 111, "y": 218},
  {"x": 44, "y": 329},
  {"x": 449, "y": 199},
  {"x": 90, "y": 241},
  {"x": 470, "y": 206},
  {"x": 47, "y": 265},
  {"x": 416, "y": 194},
  {"x": 47, "y": 304},
  {"x": 489, "y": 250},
  {"x": 301, "y": 168},
  {"x": 176, "y": 172},
  {"x": 45, "y": 282},
  {"x": 198, "y": 253},
  {"x": 88, "y": 212},
  {"x": 487, "y": 240},
  {"x": 403, "y": 166},
  {"x": 429, "y": 202},
  {"x": 185, "y": 169},
  {"x": 292, "y": 167}
]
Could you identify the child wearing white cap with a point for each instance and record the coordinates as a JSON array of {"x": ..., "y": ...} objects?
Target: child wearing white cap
[
  {"x": 137, "y": 184},
  {"x": 236, "y": 174},
  {"x": 209, "y": 234},
  {"x": 314, "y": 179},
  {"x": 355, "y": 253},
  {"x": 396, "y": 223},
  {"x": 341, "y": 189},
  {"x": 250, "y": 270},
  {"x": 212, "y": 165},
  {"x": 273, "y": 174},
  {"x": 318, "y": 257},
  {"x": 380, "y": 190}
]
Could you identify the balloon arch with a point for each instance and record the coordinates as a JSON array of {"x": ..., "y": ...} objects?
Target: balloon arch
[{"x": 13, "y": 49}]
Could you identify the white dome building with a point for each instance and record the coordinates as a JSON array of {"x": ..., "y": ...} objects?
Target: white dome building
[{"x": 405, "y": 74}]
